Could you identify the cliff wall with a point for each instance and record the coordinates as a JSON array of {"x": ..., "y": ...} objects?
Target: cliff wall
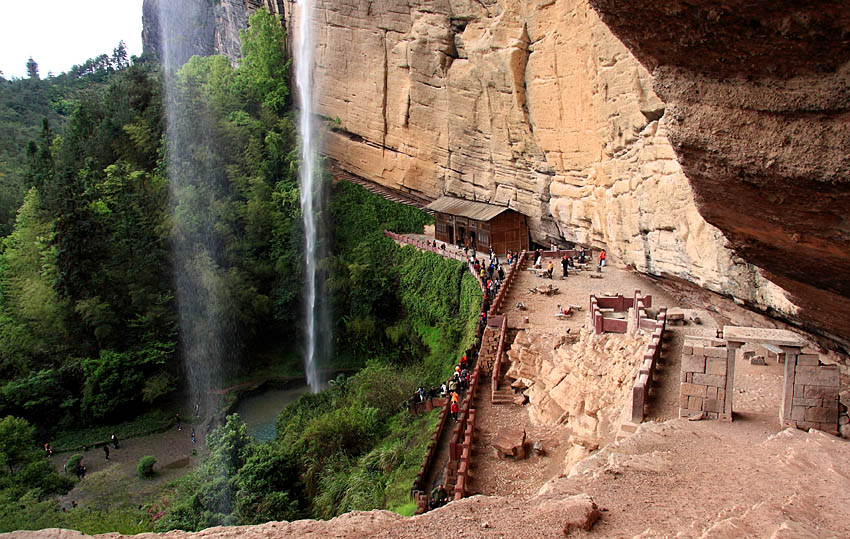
[
  {"x": 704, "y": 145},
  {"x": 199, "y": 27},
  {"x": 533, "y": 104}
]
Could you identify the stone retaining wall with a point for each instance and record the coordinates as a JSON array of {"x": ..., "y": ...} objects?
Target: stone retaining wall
[
  {"x": 619, "y": 303},
  {"x": 814, "y": 403},
  {"x": 704, "y": 378}
]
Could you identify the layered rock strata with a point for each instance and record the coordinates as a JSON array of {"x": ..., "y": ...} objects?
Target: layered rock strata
[{"x": 758, "y": 101}]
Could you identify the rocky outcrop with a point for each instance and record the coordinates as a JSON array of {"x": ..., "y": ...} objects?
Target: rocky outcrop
[
  {"x": 671, "y": 479},
  {"x": 758, "y": 101},
  {"x": 705, "y": 147},
  {"x": 582, "y": 381},
  {"x": 199, "y": 27}
]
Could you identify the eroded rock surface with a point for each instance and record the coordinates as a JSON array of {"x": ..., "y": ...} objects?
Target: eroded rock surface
[
  {"x": 758, "y": 98},
  {"x": 582, "y": 382}
]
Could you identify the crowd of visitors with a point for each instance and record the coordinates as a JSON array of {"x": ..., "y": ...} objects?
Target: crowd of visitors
[{"x": 452, "y": 388}]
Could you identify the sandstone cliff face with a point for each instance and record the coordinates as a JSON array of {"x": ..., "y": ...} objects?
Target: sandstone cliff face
[
  {"x": 533, "y": 104},
  {"x": 538, "y": 105}
]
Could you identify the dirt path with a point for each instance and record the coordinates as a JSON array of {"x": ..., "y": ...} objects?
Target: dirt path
[{"x": 493, "y": 476}]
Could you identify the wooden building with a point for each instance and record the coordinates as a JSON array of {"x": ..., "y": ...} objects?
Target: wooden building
[{"x": 479, "y": 225}]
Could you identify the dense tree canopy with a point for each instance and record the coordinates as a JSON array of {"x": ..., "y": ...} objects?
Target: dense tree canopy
[{"x": 113, "y": 203}]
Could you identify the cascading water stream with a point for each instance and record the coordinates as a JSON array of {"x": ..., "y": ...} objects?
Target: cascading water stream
[
  {"x": 197, "y": 248},
  {"x": 310, "y": 187}
]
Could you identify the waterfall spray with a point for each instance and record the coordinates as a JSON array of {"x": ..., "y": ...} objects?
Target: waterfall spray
[
  {"x": 310, "y": 188},
  {"x": 196, "y": 247}
]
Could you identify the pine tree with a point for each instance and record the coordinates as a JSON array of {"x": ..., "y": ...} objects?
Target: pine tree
[{"x": 32, "y": 69}]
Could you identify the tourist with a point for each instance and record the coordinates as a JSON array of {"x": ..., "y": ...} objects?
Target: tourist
[
  {"x": 463, "y": 361},
  {"x": 501, "y": 273},
  {"x": 454, "y": 409},
  {"x": 582, "y": 257},
  {"x": 439, "y": 497},
  {"x": 510, "y": 258},
  {"x": 560, "y": 310},
  {"x": 565, "y": 265},
  {"x": 106, "y": 450},
  {"x": 114, "y": 440},
  {"x": 550, "y": 268},
  {"x": 538, "y": 260},
  {"x": 177, "y": 419},
  {"x": 48, "y": 449},
  {"x": 443, "y": 390},
  {"x": 452, "y": 385},
  {"x": 602, "y": 257},
  {"x": 193, "y": 436},
  {"x": 455, "y": 397}
]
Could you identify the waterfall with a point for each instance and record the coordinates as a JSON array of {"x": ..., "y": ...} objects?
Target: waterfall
[
  {"x": 206, "y": 333},
  {"x": 311, "y": 194}
]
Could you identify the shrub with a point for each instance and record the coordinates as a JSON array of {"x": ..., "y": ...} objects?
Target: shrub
[
  {"x": 73, "y": 463},
  {"x": 146, "y": 466}
]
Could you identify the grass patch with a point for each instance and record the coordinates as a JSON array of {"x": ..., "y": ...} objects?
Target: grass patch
[
  {"x": 149, "y": 423},
  {"x": 406, "y": 510}
]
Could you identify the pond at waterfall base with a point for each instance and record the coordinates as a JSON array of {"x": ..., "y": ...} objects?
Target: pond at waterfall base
[{"x": 259, "y": 410}]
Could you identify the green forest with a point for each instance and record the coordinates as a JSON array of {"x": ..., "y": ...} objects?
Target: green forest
[{"x": 90, "y": 333}]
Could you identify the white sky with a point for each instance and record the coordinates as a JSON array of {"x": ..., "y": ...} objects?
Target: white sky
[{"x": 61, "y": 33}]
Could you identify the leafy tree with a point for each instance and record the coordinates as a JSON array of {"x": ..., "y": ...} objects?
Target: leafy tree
[
  {"x": 16, "y": 442},
  {"x": 264, "y": 66}
]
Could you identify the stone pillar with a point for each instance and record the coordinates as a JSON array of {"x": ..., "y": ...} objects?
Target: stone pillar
[
  {"x": 791, "y": 355},
  {"x": 731, "y": 354}
]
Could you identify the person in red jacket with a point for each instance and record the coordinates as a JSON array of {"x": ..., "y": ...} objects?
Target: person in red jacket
[
  {"x": 455, "y": 409},
  {"x": 602, "y": 257}
]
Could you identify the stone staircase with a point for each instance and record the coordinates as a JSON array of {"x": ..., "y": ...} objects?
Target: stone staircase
[
  {"x": 503, "y": 396},
  {"x": 489, "y": 346}
]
